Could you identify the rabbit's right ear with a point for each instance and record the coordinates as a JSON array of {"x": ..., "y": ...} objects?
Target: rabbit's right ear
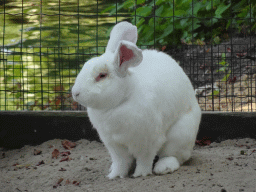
[
  {"x": 122, "y": 31},
  {"x": 127, "y": 55}
]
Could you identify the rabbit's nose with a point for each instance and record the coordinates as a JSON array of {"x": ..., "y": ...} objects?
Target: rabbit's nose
[{"x": 75, "y": 94}]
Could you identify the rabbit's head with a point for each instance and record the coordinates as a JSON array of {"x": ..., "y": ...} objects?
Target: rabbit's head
[{"x": 105, "y": 81}]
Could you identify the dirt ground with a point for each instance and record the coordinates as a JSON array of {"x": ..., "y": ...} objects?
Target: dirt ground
[{"x": 226, "y": 166}]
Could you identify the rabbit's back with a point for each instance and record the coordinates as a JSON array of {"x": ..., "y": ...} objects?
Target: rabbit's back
[
  {"x": 163, "y": 78},
  {"x": 160, "y": 67}
]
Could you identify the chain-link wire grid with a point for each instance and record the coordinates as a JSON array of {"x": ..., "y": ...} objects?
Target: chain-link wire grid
[{"x": 44, "y": 44}]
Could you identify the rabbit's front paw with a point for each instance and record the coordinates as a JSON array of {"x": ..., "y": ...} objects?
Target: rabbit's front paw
[
  {"x": 142, "y": 171},
  {"x": 117, "y": 171},
  {"x": 113, "y": 174},
  {"x": 166, "y": 165}
]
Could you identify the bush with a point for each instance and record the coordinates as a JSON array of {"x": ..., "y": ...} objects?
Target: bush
[{"x": 168, "y": 22}]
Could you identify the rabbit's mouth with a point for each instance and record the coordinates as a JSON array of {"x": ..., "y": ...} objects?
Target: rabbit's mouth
[
  {"x": 75, "y": 96},
  {"x": 75, "y": 93}
]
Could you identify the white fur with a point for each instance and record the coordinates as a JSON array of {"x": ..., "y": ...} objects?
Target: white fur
[
  {"x": 144, "y": 107},
  {"x": 122, "y": 31}
]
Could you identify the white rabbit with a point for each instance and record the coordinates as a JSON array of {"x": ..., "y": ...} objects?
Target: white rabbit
[{"x": 141, "y": 103}]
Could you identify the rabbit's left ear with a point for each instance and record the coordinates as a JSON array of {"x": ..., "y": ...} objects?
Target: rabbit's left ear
[
  {"x": 127, "y": 55},
  {"x": 122, "y": 31}
]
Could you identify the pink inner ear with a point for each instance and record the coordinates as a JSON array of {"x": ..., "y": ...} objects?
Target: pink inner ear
[{"x": 125, "y": 54}]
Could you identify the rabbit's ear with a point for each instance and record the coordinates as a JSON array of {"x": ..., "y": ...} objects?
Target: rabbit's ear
[
  {"x": 127, "y": 55},
  {"x": 122, "y": 31}
]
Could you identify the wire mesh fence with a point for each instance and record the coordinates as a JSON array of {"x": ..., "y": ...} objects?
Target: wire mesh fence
[{"x": 44, "y": 44}]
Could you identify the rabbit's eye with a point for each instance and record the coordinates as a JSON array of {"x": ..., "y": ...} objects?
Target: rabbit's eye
[{"x": 101, "y": 76}]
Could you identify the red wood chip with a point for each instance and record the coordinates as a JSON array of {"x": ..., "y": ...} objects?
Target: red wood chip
[
  {"x": 58, "y": 183},
  {"x": 204, "y": 141},
  {"x": 253, "y": 151},
  {"x": 55, "y": 153},
  {"x": 40, "y": 163},
  {"x": 37, "y": 152},
  {"x": 232, "y": 80},
  {"x": 62, "y": 169},
  {"x": 68, "y": 144},
  {"x": 67, "y": 153},
  {"x": 76, "y": 183},
  {"x": 241, "y": 54},
  {"x": 65, "y": 159},
  {"x": 163, "y": 48},
  {"x": 60, "y": 180}
]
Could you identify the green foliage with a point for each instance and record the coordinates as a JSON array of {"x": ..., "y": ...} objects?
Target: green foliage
[
  {"x": 172, "y": 22},
  {"x": 224, "y": 67},
  {"x": 223, "y": 63},
  {"x": 214, "y": 94},
  {"x": 41, "y": 55}
]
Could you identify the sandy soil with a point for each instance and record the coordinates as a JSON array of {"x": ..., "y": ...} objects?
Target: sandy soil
[{"x": 226, "y": 166}]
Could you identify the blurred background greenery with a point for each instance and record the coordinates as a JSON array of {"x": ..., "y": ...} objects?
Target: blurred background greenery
[
  {"x": 43, "y": 46},
  {"x": 45, "y": 43}
]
